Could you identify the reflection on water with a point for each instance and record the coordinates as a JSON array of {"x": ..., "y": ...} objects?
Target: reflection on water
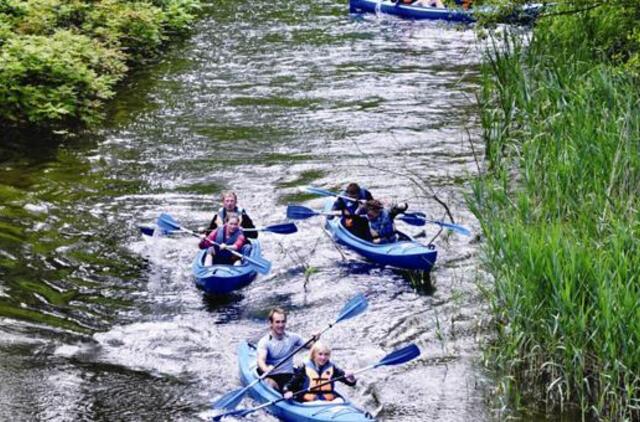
[{"x": 265, "y": 97}]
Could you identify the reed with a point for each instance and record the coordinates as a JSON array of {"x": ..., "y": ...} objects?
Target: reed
[{"x": 559, "y": 208}]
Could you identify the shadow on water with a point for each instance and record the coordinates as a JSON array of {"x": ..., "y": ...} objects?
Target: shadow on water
[{"x": 227, "y": 308}]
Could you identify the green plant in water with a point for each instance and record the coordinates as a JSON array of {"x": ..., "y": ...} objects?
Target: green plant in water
[{"x": 558, "y": 208}]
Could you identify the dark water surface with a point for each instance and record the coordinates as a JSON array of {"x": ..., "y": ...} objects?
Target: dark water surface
[{"x": 100, "y": 324}]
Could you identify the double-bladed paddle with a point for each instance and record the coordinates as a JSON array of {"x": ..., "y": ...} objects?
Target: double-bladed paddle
[
  {"x": 355, "y": 306},
  {"x": 299, "y": 212},
  {"x": 168, "y": 223},
  {"x": 397, "y": 357},
  {"x": 414, "y": 219},
  {"x": 281, "y": 228}
]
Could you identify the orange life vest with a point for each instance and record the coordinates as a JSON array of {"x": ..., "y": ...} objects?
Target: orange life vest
[{"x": 324, "y": 392}]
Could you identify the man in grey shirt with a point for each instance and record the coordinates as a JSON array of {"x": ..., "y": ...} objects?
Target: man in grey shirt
[{"x": 276, "y": 345}]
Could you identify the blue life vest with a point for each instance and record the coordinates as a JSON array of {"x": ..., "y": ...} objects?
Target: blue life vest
[
  {"x": 222, "y": 233},
  {"x": 225, "y": 256},
  {"x": 383, "y": 225}
]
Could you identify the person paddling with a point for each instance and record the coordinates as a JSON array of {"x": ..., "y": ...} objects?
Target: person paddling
[
  {"x": 381, "y": 227},
  {"x": 228, "y": 237},
  {"x": 353, "y": 210},
  {"x": 230, "y": 205},
  {"x": 276, "y": 345},
  {"x": 358, "y": 196},
  {"x": 316, "y": 370}
]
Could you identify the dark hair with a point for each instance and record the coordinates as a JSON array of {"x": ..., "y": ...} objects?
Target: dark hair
[
  {"x": 374, "y": 204},
  {"x": 277, "y": 311},
  {"x": 353, "y": 189}
]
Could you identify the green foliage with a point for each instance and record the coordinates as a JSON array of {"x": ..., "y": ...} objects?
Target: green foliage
[
  {"x": 559, "y": 211},
  {"x": 179, "y": 14},
  {"x": 91, "y": 40},
  {"x": 57, "y": 79},
  {"x": 135, "y": 27}
]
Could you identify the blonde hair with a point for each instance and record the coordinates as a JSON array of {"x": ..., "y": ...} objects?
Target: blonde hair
[
  {"x": 317, "y": 347},
  {"x": 226, "y": 193}
]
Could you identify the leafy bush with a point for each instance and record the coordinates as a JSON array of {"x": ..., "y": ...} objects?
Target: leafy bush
[
  {"x": 135, "y": 27},
  {"x": 179, "y": 14},
  {"x": 49, "y": 81},
  {"x": 67, "y": 80}
]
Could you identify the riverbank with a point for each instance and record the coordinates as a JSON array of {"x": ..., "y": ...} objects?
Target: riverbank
[
  {"x": 558, "y": 206},
  {"x": 61, "y": 60}
]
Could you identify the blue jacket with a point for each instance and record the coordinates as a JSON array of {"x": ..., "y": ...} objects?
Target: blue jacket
[
  {"x": 342, "y": 204},
  {"x": 383, "y": 225}
]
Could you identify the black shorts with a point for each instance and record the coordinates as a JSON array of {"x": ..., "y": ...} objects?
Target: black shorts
[{"x": 280, "y": 379}]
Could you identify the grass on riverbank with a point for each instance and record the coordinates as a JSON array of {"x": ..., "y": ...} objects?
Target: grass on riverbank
[
  {"x": 559, "y": 209},
  {"x": 61, "y": 59}
]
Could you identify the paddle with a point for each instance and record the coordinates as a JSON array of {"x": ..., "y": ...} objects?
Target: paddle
[
  {"x": 282, "y": 228},
  {"x": 397, "y": 357},
  {"x": 324, "y": 192},
  {"x": 355, "y": 306},
  {"x": 166, "y": 222},
  {"x": 414, "y": 219},
  {"x": 299, "y": 212}
]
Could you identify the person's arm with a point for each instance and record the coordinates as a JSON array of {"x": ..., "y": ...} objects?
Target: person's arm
[
  {"x": 296, "y": 382},
  {"x": 247, "y": 223},
  {"x": 207, "y": 241},
  {"x": 212, "y": 225},
  {"x": 237, "y": 245},
  {"x": 338, "y": 205},
  {"x": 348, "y": 379},
  {"x": 262, "y": 357}
]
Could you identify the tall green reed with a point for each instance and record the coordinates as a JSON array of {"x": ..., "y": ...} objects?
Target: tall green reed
[{"x": 559, "y": 208}]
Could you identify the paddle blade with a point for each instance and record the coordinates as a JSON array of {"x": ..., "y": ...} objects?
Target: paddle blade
[
  {"x": 230, "y": 400},
  {"x": 357, "y": 305},
  {"x": 417, "y": 213},
  {"x": 285, "y": 228},
  {"x": 413, "y": 220},
  {"x": 456, "y": 228},
  {"x": 166, "y": 222},
  {"x": 260, "y": 264},
  {"x": 239, "y": 412},
  {"x": 146, "y": 230},
  {"x": 400, "y": 356},
  {"x": 318, "y": 191},
  {"x": 298, "y": 212}
]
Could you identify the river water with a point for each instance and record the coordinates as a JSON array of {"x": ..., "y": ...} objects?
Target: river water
[{"x": 98, "y": 323}]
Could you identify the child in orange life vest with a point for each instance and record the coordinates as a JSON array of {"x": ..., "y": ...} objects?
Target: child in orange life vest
[{"x": 318, "y": 369}]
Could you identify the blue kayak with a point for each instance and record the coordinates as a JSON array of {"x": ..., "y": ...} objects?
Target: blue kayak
[
  {"x": 406, "y": 253},
  {"x": 408, "y": 11},
  {"x": 223, "y": 279},
  {"x": 525, "y": 15},
  {"x": 291, "y": 410}
]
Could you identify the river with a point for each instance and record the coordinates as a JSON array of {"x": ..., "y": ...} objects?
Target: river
[{"x": 98, "y": 323}]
